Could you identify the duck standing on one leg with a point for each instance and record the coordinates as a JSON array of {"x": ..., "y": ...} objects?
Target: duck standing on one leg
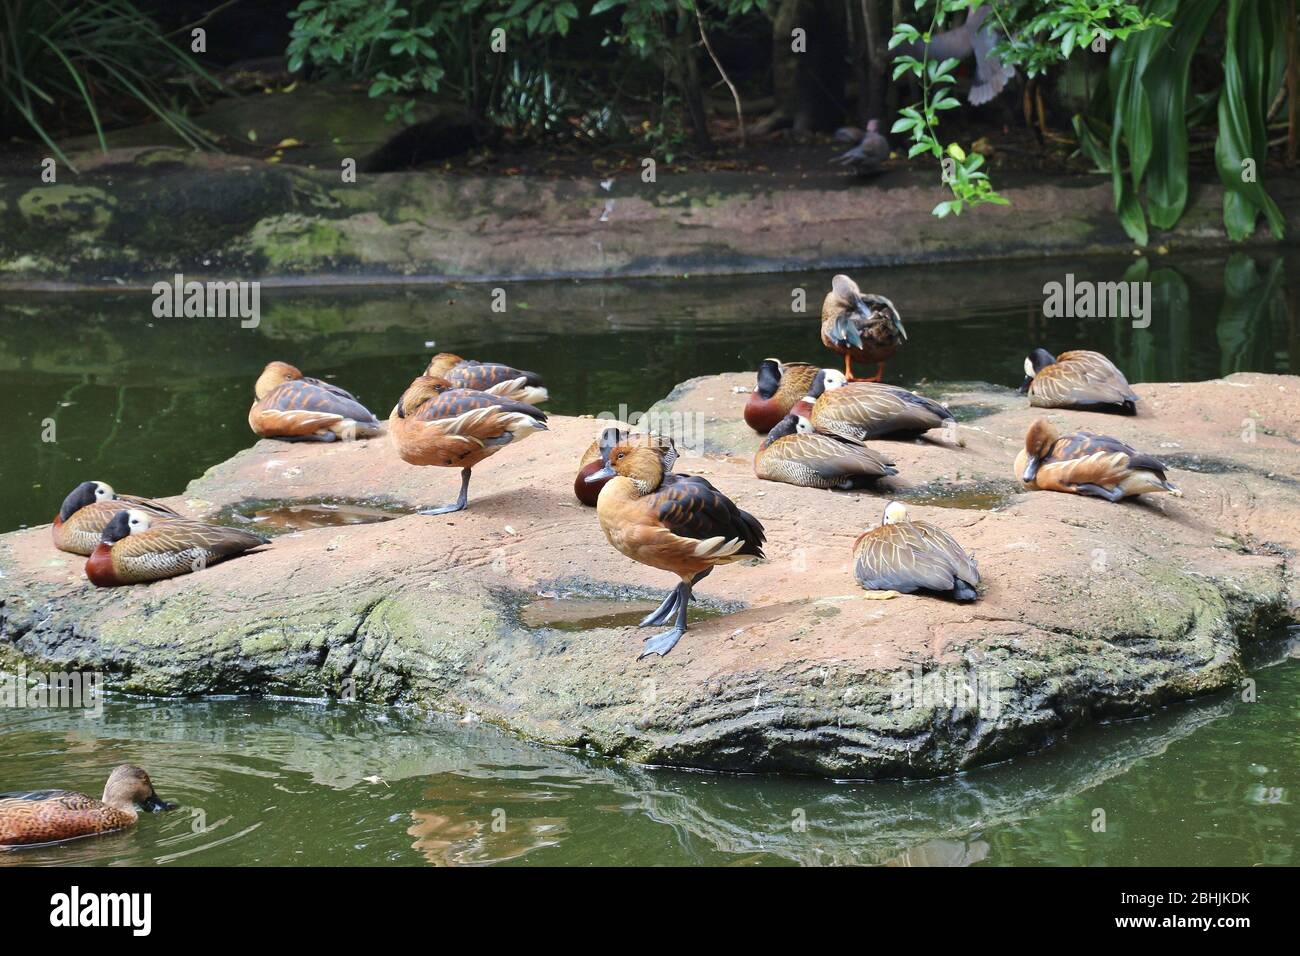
[
  {"x": 89, "y": 508},
  {"x": 863, "y": 327},
  {"x": 1077, "y": 379},
  {"x": 436, "y": 423},
  {"x": 905, "y": 556},
  {"x": 134, "y": 548},
  {"x": 779, "y": 387},
  {"x": 491, "y": 377},
  {"x": 1088, "y": 464},
  {"x": 677, "y": 523},
  {"x": 49, "y": 816},
  {"x": 293, "y": 407},
  {"x": 596, "y": 457}
]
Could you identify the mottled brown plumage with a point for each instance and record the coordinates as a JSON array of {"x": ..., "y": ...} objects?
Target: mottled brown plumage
[
  {"x": 88, "y": 509},
  {"x": 866, "y": 410},
  {"x": 293, "y": 407},
  {"x": 907, "y": 556},
  {"x": 1083, "y": 463},
  {"x": 796, "y": 454},
  {"x": 1077, "y": 379},
  {"x": 48, "y": 816},
  {"x": 778, "y": 388},
  {"x": 134, "y": 548},
  {"x": 860, "y": 326},
  {"x": 491, "y": 377},
  {"x": 677, "y": 523}
]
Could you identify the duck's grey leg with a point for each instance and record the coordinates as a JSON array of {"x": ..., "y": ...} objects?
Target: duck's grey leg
[
  {"x": 322, "y": 435},
  {"x": 460, "y": 502},
  {"x": 664, "y": 610},
  {"x": 1113, "y": 495},
  {"x": 661, "y": 644}
]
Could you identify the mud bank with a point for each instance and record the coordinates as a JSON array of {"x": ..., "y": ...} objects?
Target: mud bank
[{"x": 1089, "y": 610}]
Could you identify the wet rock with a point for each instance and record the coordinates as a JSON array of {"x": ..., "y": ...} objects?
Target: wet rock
[{"x": 1088, "y": 610}]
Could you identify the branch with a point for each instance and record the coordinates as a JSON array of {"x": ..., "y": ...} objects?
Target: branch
[{"x": 740, "y": 114}]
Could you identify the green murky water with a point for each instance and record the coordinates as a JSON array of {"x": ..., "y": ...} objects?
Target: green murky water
[{"x": 147, "y": 404}]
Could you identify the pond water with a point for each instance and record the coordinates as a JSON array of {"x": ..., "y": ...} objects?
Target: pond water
[{"x": 148, "y": 404}]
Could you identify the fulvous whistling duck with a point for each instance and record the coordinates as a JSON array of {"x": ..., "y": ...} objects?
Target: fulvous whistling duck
[
  {"x": 436, "y": 423},
  {"x": 904, "y": 556},
  {"x": 780, "y": 385},
  {"x": 1088, "y": 464},
  {"x": 1077, "y": 379},
  {"x": 797, "y": 455},
  {"x": 134, "y": 549},
  {"x": 866, "y": 410},
  {"x": 49, "y": 816},
  {"x": 596, "y": 457},
  {"x": 864, "y": 327},
  {"x": 500, "y": 380},
  {"x": 677, "y": 523},
  {"x": 292, "y": 407},
  {"x": 89, "y": 508}
]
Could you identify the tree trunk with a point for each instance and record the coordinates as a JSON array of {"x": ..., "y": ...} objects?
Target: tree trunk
[
  {"x": 809, "y": 84},
  {"x": 877, "y": 59}
]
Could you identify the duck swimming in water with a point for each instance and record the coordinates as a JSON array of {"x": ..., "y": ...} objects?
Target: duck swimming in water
[
  {"x": 863, "y": 327},
  {"x": 436, "y": 423},
  {"x": 796, "y": 454},
  {"x": 1077, "y": 379},
  {"x": 134, "y": 548},
  {"x": 491, "y": 377},
  {"x": 596, "y": 457},
  {"x": 904, "y": 556},
  {"x": 293, "y": 407},
  {"x": 49, "y": 816},
  {"x": 866, "y": 410},
  {"x": 677, "y": 523},
  {"x": 89, "y": 508},
  {"x": 1086, "y": 464},
  {"x": 780, "y": 386}
]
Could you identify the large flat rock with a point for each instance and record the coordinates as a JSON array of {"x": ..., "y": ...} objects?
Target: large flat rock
[{"x": 1089, "y": 611}]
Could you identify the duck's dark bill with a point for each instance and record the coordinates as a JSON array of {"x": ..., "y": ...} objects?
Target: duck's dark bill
[
  {"x": 595, "y": 476},
  {"x": 1031, "y": 470},
  {"x": 155, "y": 804}
]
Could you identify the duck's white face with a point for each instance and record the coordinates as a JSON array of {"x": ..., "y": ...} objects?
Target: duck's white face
[
  {"x": 137, "y": 520},
  {"x": 802, "y": 425},
  {"x": 103, "y": 492},
  {"x": 833, "y": 378},
  {"x": 894, "y": 513},
  {"x": 1029, "y": 368}
]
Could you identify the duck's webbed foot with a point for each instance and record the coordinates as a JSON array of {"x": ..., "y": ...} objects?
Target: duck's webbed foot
[
  {"x": 665, "y": 610},
  {"x": 460, "y": 502},
  {"x": 1113, "y": 495},
  {"x": 661, "y": 644}
]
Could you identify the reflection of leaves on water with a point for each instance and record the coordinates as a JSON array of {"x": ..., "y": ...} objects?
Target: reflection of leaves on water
[{"x": 1250, "y": 302}]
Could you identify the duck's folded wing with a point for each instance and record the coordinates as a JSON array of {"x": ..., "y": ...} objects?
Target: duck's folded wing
[
  {"x": 483, "y": 375},
  {"x": 315, "y": 397},
  {"x": 690, "y": 507},
  {"x": 885, "y": 407},
  {"x": 844, "y": 330},
  {"x": 183, "y": 537},
  {"x": 941, "y": 544},
  {"x": 834, "y": 457},
  {"x": 896, "y": 558},
  {"x": 1082, "y": 377},
  {"x": 148, "y": 504}
]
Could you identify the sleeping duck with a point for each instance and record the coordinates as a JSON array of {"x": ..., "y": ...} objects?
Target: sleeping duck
[
  {"x": 135, "y": 548},
  {"x": 780, "y": 385},
  {"x": 89, "y": 508},
  {"x": 1077, "y": 379},
  {"x": 491, "y": 377},
  {"x": 1086, "y": 464},
  {"x": 904, "y": 556},
  {"x": 796, "y": 454},
  {"x": 294, "y": 407}
]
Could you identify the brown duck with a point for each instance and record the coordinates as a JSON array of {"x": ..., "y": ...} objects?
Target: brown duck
[
  {"x": 293, "y": 407},
  {"x": 437, "y": 424},
  {"x": 797, "y": 455},
  {"x": 596, "y": 457},
  {"x": 49, "y": 816},
  {"x": 491, "y": 377},
  {"x": 905, "y": 556},
  {"x": 89, "y": 508},
  {"x": 677, "y": 523},
  {"x": 1077, "y": 379},
  {"x": 1086, "y": 464},
  {"x": 866, "y": 410},
  {"x": 779, "y": 387},
  {"x": 863, "y": 327},
  {"x": 133, "y": 549}
]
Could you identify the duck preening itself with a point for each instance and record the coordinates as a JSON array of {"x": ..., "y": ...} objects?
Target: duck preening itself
[
  {"x": 293, "y": 407},
  {"x": 866, "y": 410},
  {"x": 906, "y": 556},
  {"x": 48, "y": 816},
  {"x": 89, "y": 508},
  {"x": 493, "y": 378},
  {"x": 677, "y": 523},
  {"x": 1086, "y": 464},
  {"x": 796, "y": 454},
  {"x": 1077, "y": 379},
  {"x": 596, "y": 457},
  {"x": 437, "y": 424},
  {"x": 780, "y": 385},
  {"x": 863, "y": 327},
  {"x": 134, "y": 549}
]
